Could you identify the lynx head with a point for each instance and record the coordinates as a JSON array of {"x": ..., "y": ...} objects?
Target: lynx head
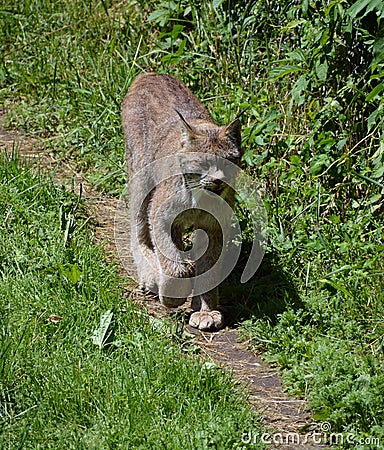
[{"x": 207, "y": 152}]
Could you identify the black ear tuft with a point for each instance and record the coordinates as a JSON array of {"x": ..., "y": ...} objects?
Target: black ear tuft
[
  {"x": 233, "y": 131},
  {"x": 187, "y": 132}
]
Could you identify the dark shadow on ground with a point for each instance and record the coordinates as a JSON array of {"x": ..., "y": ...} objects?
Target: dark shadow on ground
[{"x": 267, "y": 294}]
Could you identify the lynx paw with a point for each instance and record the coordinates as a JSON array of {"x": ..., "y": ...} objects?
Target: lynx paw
[
  {"x": 148, "y": 283},
  {"x": 207, "y": 320}
]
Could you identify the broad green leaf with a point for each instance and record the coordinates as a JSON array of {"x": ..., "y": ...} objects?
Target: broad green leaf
[
  {"x": 294, "y": 24},
  {"x": 318, "y": 164},
  {"x": 322, "y": 69},
  {"x": 305, "y": 7},
  {"x": 71, "y": 272},
  {"x": 297, "y": 55},
  {"x": 375, "y": 198},
  {"x": 299, "y": 88},
  {"x": 335, "y": 10},
  {"x": 325, "y": 37},
  {"x": 281, "y": 71},
  {"x": 367, "y": 6},
  {"x": 378, "y": 50},
  {"x": 181, "y": 48},
  {"x": 378, "y": 172},
  {"x": 157, "y": 14},
  {"x": 295, "y": 160},
  {"x": 248, "y": 157},
  {"x": 347, "y": 30},
  {"x": 375, "y": 92},
  {"x": 208, "y": 365},
  {"x": 372, "y": 118},
  {"x": 270, "y": 117},
  {"x": 260, "y": 141},
  {"x": 102, "y": 336},
  {"x": 176, "y": 30},
  {"x": 216, "y": 3},
  {"x": 341, "y": 143}
]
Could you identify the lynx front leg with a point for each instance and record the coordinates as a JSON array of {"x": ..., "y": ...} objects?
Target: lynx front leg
[
  {"x": 174, "y": 284},
  {"x": 206, "y": 317}
]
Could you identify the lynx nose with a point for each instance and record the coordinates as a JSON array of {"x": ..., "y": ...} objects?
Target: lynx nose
[
  {"x": 214, "y": 185},
  {"x": 218, "y": 175}
]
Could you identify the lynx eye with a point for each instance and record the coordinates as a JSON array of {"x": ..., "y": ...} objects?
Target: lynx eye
[
  {"x": 235, "y": 159},
  {"x": 204, "y": 166}
]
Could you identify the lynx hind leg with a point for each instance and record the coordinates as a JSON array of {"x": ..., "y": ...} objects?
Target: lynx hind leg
[
  {"x": 174, "y": 291},
  {"x": 206, "y": 316},
  {"x": 141, "y": 245},
  {"x": 145, "y": 262}
]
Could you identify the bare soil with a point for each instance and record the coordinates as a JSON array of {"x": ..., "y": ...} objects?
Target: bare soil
[{"x": 287, "y": 419}]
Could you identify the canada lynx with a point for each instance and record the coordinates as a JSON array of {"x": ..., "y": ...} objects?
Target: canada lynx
[{"x": 175, "y": 153}]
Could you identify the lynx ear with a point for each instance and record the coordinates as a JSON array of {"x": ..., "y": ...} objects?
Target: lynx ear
[
  {"x": 187, "y": 132},
  {"x": 233, "y": 131}
]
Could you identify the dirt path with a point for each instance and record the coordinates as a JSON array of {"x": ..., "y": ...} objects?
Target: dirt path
[{"x": 285, "y": 417}]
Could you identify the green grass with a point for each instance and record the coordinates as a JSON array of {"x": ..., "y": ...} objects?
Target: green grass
[
  {"x": 313, "y": 137},
  {"x": 137, "y": 389}
]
